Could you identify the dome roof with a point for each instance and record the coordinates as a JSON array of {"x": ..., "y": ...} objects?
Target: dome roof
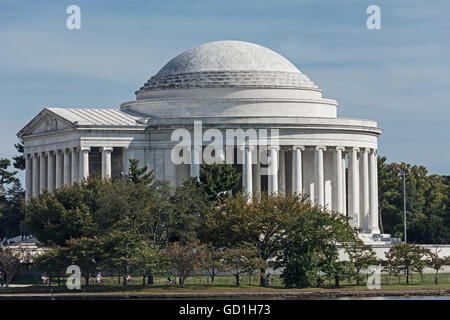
[
  {"x": 228, "y": 56},
  {"x": 228, "y": 64}
]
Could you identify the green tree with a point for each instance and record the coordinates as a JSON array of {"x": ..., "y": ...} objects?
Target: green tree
[
  {"x": 362, "y": 256},
  {"x": 190, "y": 205},
  {"x": 11, "y": 210},
  {"x": 53, "y": 262},
  {"x": 260, "y": 223},
  {"x": 19, "y": 160},
  {"x": 146, "y": 259},
  {"x": 241, "y": 260},
  {"x": 86, "y": 253},
  {"x": 427, "y": 202},
  {"x": 160, "y": 220},
  {"x": 124, "y": 207},
  {"x": 9, "y": 263},
  {"x": 56, "y": 218},
  {"x": 139, "y": 175},
  {"x": 436, "y": 262},
  {"x": 6, "y": 177},
  {"x": 125, "y": 251},
  {"x": 406, "y": 257},
  {"x": 311, "y": 244},
  {"x": 337, "y": 235},
  {"x": 185, "y": 258},
  {"x": 219, "y": 180},
  {"x": 212, "y": 262}
]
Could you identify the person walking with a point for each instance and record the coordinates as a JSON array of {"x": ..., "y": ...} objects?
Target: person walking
[
  {"x": 127, "y": 280},
  {"x": 99, "y": 278}
]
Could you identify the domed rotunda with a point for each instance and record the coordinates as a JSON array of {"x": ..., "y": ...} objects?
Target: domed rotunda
[{"x": 229, "y": 101}]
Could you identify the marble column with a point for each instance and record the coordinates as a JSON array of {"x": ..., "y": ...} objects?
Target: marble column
[
  {"x": 170, "y": 169},
  {"x": 125, "y": 166},
  {"x": 35, "y": 184},
  {"x": 338, "y": 190},
  {"x": 282, "y": 171},
  {"x": 84, "y": 163},
  {"x": 195, "y": 161},
  {"x": 353, "y": 187},
  {"x": 257, "y": 174},
  {"x": 248, "y": 188},
  {"x": 59, "y": 169},
  {"x": 319, "y": 176},
  {"x": 373, "y": 178},
  {"x": 42, "y": 172},
  {"x": 50, "y": 171},
  {"x": 28, "y": 177},
  {"x": 220, "y": 157},
  {"x": 75, "y": 170},
  {"x": 297, "y": 170},
  {"x": 364, "y": 189},
  {"x": 66, "y": 167},
  {"x": 273, "y": 169},
  {"x": 106, "y": 156},
  {"x": 344, "y": 182}
]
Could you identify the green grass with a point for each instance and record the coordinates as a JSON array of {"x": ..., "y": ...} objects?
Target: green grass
[{"x": 224, "y": 283}]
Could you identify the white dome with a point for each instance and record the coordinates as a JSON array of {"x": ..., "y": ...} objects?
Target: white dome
[
  {"x": 228, "y": 56},
  {"x": 228, "y": 64}
]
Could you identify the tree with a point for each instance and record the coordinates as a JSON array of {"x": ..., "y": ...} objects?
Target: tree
[
  {"x": 241, "y": 260},
  {"x": 427, "y": 200},
  {"x": 9, "y": 263},
  {"x": 85, "y": 253},
  {"x": 436, "y": 262},
  {"x": 269, "y": 216},
  {"x": 11, "y": 199},
  {"x": 362, "y": 257},
  {"x": 124, "y": 251},
  {"x": 160, "y": 219},
  {"x": 53, "y": 262},
  {"x": 190, "y": 205},
  {"x": 312, "y": 241},
  {"x": 228, "y": 225},
  {"x": 146, "y": 259},
  {"x": 185, "y": 258},
  {"x": 11, "y": 210},
  {"x": 6, "y": 177},
  {"x": 260, "y": 223},
  {"x": 338, "y": 234},
  {"x": 56, "y": 218},
  {"x": 19, "y": 160},
  {"x": 212, "y": 262},
  {"x": 406, "y": 257},
  {"x": 139, "y": 175},
  {"x": 124, "y": 207},
  {"x": 219, "y": 180}
]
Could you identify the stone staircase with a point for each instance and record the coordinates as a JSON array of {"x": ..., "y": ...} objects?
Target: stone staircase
[
  {"x": 377, "y": 238},
  {"x": 29, "y": 245}
]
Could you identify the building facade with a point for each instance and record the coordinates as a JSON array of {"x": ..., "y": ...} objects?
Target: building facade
[{"x": 230, "y": 91}]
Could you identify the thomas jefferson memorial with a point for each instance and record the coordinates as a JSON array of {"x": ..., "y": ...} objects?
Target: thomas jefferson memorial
[{"x": 218, "y": 86}]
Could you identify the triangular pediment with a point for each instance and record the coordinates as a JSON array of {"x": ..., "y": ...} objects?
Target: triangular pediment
[{"x": 46, "y": 121}]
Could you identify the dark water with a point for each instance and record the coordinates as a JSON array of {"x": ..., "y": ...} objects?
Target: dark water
[{"x": 395, "y": 298}]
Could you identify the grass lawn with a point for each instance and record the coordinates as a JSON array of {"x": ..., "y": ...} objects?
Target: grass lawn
[{"x": 225, "y": 284}]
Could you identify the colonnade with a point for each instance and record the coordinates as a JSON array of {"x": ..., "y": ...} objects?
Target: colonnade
[
  {"x": 297, "y": 169},
  {"x": 354, "y": 194},
  {"x": 50, "y": 170}
]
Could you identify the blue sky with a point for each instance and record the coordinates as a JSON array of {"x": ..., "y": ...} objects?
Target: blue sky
[{"x": 399, "y": 75}]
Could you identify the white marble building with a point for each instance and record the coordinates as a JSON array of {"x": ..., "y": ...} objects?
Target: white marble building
[{"x": 225, "y": 85}]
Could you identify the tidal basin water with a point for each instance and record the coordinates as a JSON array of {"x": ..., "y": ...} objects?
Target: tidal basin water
[{"x": 394, "y": 298}]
